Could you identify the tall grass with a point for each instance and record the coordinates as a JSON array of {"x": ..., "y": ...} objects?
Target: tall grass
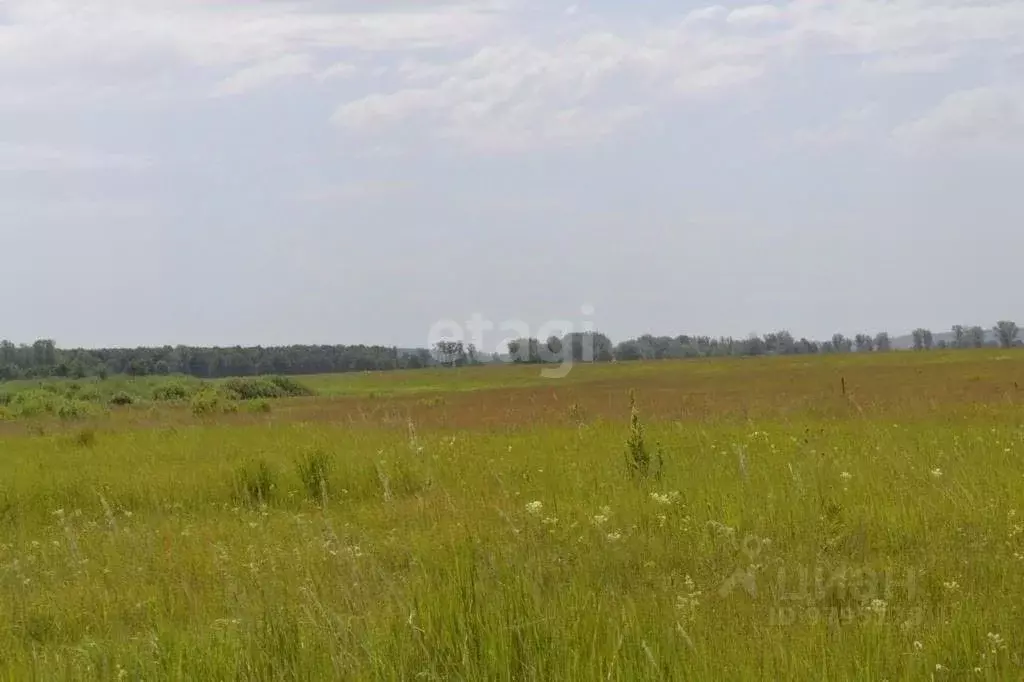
[{"x": 800, "y": 546}]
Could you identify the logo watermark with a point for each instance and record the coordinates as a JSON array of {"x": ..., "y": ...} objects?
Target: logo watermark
[
  {"x": 555, "y": 345},
  {"x": 816, "y": 592}
]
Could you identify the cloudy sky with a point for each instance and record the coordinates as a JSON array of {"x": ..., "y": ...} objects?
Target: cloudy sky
[{"x": 275, "y": 171}]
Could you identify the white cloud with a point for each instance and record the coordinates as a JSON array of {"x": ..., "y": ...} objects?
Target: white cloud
[
  {"x": 22, "y": 157},
  {"x": 987, "y": 119},
  {"x": 706, "y": 14},
  {"x": 265, "y": 73},
  {"x": 339, "y": 70},
  {"x": 488, "y": 73},
  {"x": 378, "y": 109},
  {"x": 521, "y": 93},
  {"x": 49, "y": 44},
  {"x": 753, "y": 14},
  {"x": 521, "y": 89}
]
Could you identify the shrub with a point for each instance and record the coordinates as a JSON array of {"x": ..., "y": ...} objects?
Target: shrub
[
  {"x": 205, "y": 403},
  {"x": 122, "y": 398},
  {"x": 90, "y": 395},
  {"x": 254, "y": 484},
  {"x": 171, "y": 391},
  {"x": 255, "y": 388},
  {"x": 74, "y": 409},
  {"x": 640, "y": 463},
  {"x": 292, "y": 388},
  {"x": 35, "y": 402},
  {"x": 249, "y": 389}
]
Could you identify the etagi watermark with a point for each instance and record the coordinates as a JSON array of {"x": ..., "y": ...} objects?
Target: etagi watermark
[{"x": 479, "y": 332}]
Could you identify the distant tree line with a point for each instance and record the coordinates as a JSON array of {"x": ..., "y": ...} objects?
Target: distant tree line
[
  {"x": 649, "y": 347},
  {"x": 44, "y": 359}
]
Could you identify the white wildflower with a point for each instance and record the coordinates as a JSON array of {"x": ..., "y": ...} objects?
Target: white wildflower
[
  {"x": 667, "y": 498},
  {"x": 951, "y": 585},
  {"x": 846, "y": 475},
  {"x": 721, "y": 527},
  {"x": 687, "y": 604},
  {"x": 936, "y": 473},
  {"x": 918, "y": 646},
  {"x": 995, "y": 642},
  {"x": 614, "y": 536},
  {"x": 535, "y": 507}
]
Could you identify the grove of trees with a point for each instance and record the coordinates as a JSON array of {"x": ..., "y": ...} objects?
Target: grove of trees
[{"x": 43, "y": 358}]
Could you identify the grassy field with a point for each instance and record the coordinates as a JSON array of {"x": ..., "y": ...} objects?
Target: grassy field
[{"x": 854, "y": 517}]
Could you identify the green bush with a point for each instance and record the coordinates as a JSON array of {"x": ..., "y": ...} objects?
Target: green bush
[
  {"x": 122, "y": 398},
  {"x": 171, "y": 391},
  {"x": 35, "y": 402},
  {"x": 74, "y": 409},
  {"x": 205, "y": 403},
  {"x": 209, "y": 402},
  {"x": 256, "y": 388},
  {"x": 90, "y": 394},
  {"x": 239, "y": 388},
  {"x": 292, "y": 388}
]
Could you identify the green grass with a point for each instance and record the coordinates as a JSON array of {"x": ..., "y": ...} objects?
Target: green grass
[{"x": 526, "y": 551}]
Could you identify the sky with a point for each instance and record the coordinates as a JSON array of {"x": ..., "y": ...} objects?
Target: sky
[{"x": 360, "y": 171}]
